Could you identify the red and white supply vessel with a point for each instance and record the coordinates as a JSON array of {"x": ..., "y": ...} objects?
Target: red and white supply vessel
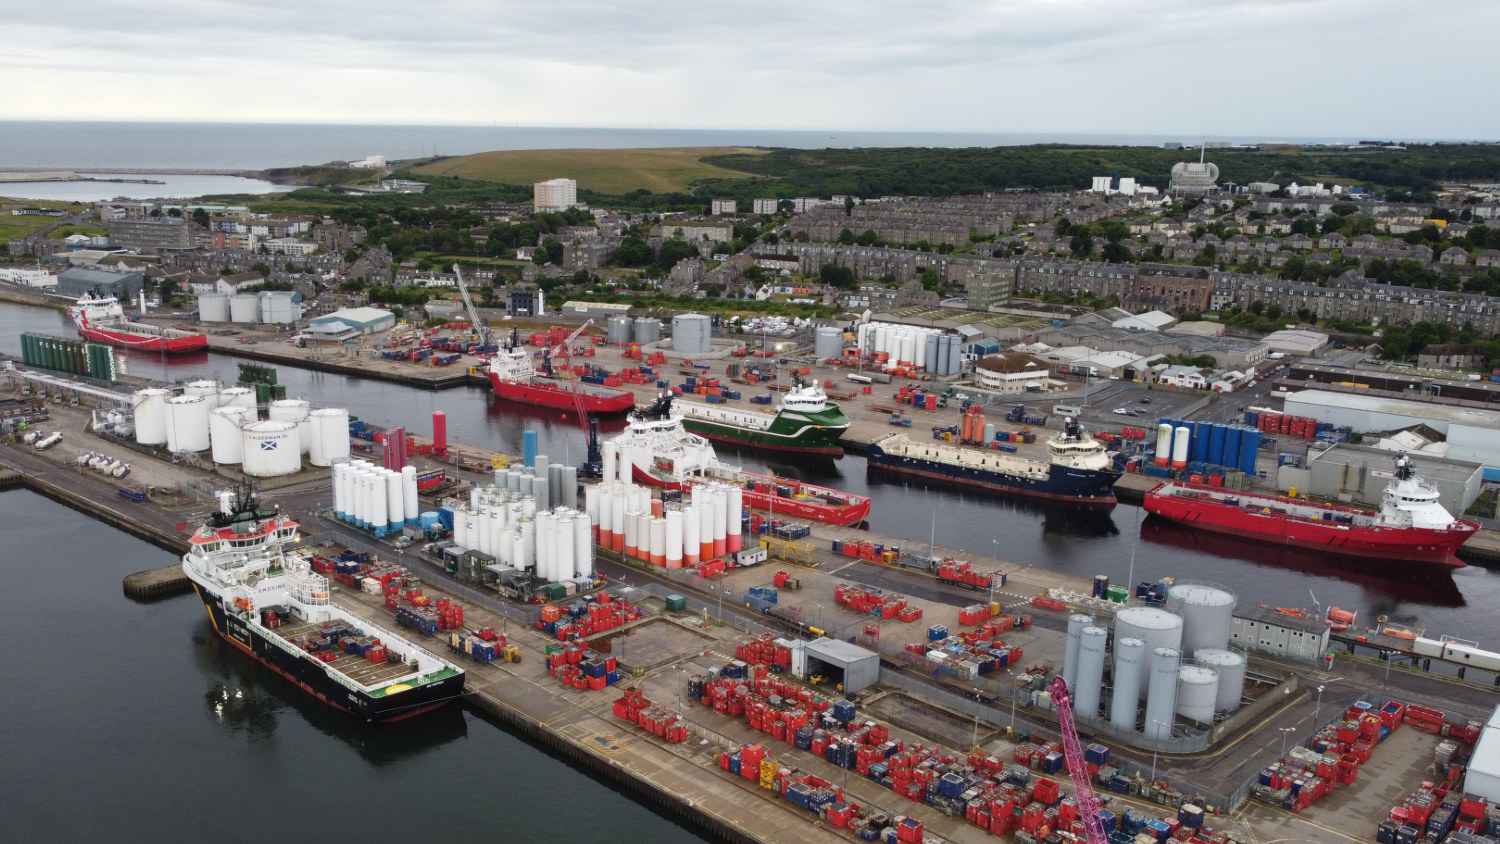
[
  {"x": 101, "y": 318},
  {"x": 514, "y": 377},
  {"x": 1411, "y": 525},
  {"x": 655, "y": 450}
]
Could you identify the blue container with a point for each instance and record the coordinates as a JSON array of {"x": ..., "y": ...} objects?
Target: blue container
[
  {"x": 843, "y": 710},
  {"x": 1216, "y": 437},
  {"x": 1101, "y": 586},
  {"x": 734, "y": 763},
  {"x": 804, "y": 736},
  {"x": 1052, "y": 762},
  {"x": 935, "y": 633},
  {"x": 1096, "y": 754},
  {"x": 1107, "y": 820},
  {"x": 951, "y": 785},
  {"x": 1158, "y": 829}
]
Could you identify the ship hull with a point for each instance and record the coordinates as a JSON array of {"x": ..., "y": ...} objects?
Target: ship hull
[
  {"x": 311, "y": 677},
  {"x": 1089, "y": 488},
  {"x": 1404, "y": 545},
  {"x": 843, "y": 516},
  {"x": 145, "y": 342},
  {"x": 543, "y": 394},
  {"x": 810, "y": 440}
]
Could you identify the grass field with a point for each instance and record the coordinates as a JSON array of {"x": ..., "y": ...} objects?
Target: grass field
[
  {"x": 613, "y": 171},
  {"x": 13, "y": 227}
]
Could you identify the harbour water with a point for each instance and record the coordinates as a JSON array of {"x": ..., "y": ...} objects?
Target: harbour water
[
  {"x": 1121, "y": 543},
  {"x": 134, "y": 722}
]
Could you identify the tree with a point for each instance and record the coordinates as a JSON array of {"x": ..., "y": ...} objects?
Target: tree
[
  {"x": 1395, "y": 340},
  {"x": 846, "y": 237},
  {"x": 836, "y": 276},
  {"x": 848, "y": 206},
  {"x": 868, "y": 238},
  {"x": 1116, "y": 253},
  {"x": 261, "y": 267},
  {"x": 672, "y": 251},
  {"x": 166, "y": 289},
  {"x": 1064, "y": 225},
  {"x": 633, "y": 252},
  {"x": 174, "y": 212},
  {"x": 1081, "y": 245},
  {"x": 554, "y": 249},
  {"x": 200, "y": 216},
  {"x": 931, "y": 279}
]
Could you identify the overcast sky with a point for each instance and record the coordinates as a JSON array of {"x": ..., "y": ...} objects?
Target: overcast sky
[{"x": 1389, "y": 68}]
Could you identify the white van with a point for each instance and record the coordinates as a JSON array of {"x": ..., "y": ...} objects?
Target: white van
[{"x": 1066, "y": 410}]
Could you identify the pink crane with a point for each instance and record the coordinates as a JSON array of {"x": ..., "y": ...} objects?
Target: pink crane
[{"x": 1078, "y": 769}]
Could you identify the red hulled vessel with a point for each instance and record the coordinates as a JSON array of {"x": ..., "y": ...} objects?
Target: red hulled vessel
[
  {"x": 514, "y": 377},
  {"x": 101, "y": 319}
]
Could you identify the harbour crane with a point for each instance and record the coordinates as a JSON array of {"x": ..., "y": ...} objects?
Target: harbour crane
[
  {"x": 1078, "y": 769},
  {"x": 481, "y": 330},
  {"x": 593, "y": 461}
]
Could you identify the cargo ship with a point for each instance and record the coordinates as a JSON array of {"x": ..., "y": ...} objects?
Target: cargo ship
[
  {"x": 1078, "y": 469},
  {"x": 274, "y": 607},
  {"x": 805, "y": 422},
  {"x": 101, "y": 319},
  {"x": 514, "y": 377},
  {"x": 1411, "y": 526},
  {"x": 655, "y": 449}
]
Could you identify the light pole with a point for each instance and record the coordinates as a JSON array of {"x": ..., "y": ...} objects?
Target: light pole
[
  {"x": 1284, "y": 731},
  {"x": 1318, "y": 712},
  {"x": 1168, "y": 728}
]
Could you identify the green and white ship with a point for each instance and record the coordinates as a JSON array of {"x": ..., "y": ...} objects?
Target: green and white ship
[{"x": 805, "y": 422}]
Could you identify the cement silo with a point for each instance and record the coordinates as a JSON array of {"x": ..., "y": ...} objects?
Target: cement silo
[
  {"x": 149, "y": 415},
  {"x": 224, "y": 434},
  {"x": 1163, "y": 444},
  {"x": 244, "y": 308},
  {"x": 295, "y": 411},
  {"x": 1197, "y": 692},
  {"x": 1130, "y": 673},
  {"x": 1207, "y": 614},
  {"x": 213, "y": 307},
  {"x": 1161, "y": 694},
  {"x": 828, "y": 342},
  {"x": 1092, "y": 643},
  {"x": 1076, "y": 623},
  {"x": 271, "y": 451},
  {"x": 187, "y": 423},
  {"x": 692, "y": 334},
  {"x": 647, "y": 330},
  {"x": 617, "y": 330},
  {"x": 1231, "y": 668},
  {"x": 328, "y": 436},
  {"x": 1156, "y": 627}
]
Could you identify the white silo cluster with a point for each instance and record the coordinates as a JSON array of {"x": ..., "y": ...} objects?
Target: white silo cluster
[
  {"x": 1176, "y": 658},
  {"x": 932, "y": 349},
  {"x": 278, "y": 307},
  {"x": 373, "y": 497},
  {"x": 526, "y": 519},
  {"x": 224, "y": 421},
  {"x": 628, "y": 519}
]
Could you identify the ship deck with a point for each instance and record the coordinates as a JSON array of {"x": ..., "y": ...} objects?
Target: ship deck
[{"x": 356, "y": 668}]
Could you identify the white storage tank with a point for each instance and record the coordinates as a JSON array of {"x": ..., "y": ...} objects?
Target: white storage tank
[
  {"x": 1076, "y": 623},
  {"x": 224, "y": 434},
  {"x": 1231, "y": 667},
  {"x": 1161, "y": 694},
  {"x": 828, "y": 342},
  {"x": 1091, "y": 646},
  {"x": 1130, "y": 675},
  {"x": 149, "y": 416},
  {"x": 1207, "y": 614},
  {"x": 1197, "y": 692},
  {"x": 328, "y": 435},
  {"x": 205, "y": 389},
  {"x": 617, "y": 330},
  {"x": 1156, "y": 627},
  {"x": 271, "y": 450},
  {"x": 213, "y": 307},
  {"x": 1163, "y": 444},
  {"x": 692, "y": 334},
  {"x": 296, "y": 411},
  {"x": 237, "y": 397},
  {"x": 647, "y": 330},
  {"x": 279, "y": 307},
  {"x": 187, "y": 423},
  {"x": 1180, "y": 446},
  {"x": 244, "y": 308}
]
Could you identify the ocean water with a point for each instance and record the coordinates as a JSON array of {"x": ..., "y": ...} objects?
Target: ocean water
[
  {"x": 252, "y": 146},
  {"x": 178, "y": 186}
]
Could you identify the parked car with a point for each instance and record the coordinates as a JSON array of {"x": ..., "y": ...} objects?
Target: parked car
[
  {"x": 1144, "y": 400},
  {"x": 1120, "y": 411}
]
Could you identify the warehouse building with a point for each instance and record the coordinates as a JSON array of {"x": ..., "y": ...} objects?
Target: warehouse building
[
  {"x": 76, "y": 281},
  {"x": 1360, "y": 474},
  {"x": 1296, "y": 341},
  {"x": 363, "y": 320},
  {"x": 1365, "y": 413},
  {"x": 1279, "y": 634},
  {"x": 1013, "y": 372},
  {"x": 842, "y": 662}
]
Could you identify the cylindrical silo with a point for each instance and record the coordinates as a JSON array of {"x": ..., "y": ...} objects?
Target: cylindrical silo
[
  {"x": 617, "y": 510},
  {"x": 735, "y": 516},
  {"x": 296, "y": 411},
  {"x": 583, "y": 547},
  {"x": 691, "y": 334},
  {"x": 328, "y": 435},
  {"x": 658, "y": 556},
  {"x": 271, "y": 451},
  {"x": 674, "y": 539},
  {"x": 828, "y": 342},
  {"x": 617, "y": 329},
  {"x": 647, "y": 330},
  {"x": 1091, "y": 646},
  {"x": 567, "y": 492},
  {"x": 205, "y": 389},
  {"x": 1197, "y": 692},
  {"x": 1161, "y": 694},
  {"x": 213, "y": 307},
  {"x": 1180, "y": 446},
  {"x": 927, "y": 351},
  {"x": 632, "y": 538},
  {"x": 1207, "y": 614},
  {"x": 721, "y": 521},
  {"x": 237, "y": 397},
  {"x": 610, "y": 454},
  {"x": 1076, "y": 623},
  {"x": 705, "y": 523},
  {"x": 604, "y": 529},
  {"x": 691, "y": 523},
  {"x": 149, "y": 416},
  {"x": 1156, "y": 627},
  {"x": 187, "y": 423},
  {"x": 562, "y": 547},
  {"x": 1163, "y": 444},
  {"x": 1231, "y": 667},
  {"x": 1130, "y": 658},
  {"x": 244, "y": 308},
  {"x": 224, "y": 434}
]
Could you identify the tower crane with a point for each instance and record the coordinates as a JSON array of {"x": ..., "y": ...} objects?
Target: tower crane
[
  {"x": 481, "y": 330},
  {"x": 593, "y": 461},
  {"x": 1078, "y": 769}
]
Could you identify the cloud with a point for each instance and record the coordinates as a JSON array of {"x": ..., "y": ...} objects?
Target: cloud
[{"x": 1245, "y": 67}]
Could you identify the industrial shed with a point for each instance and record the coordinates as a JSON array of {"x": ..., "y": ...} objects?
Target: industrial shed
[
  {"x": 1365, "y": 413},
  {"x": 1483, "y": 778},
  {"x": 363, "y": 320},
  {"x": 843, "y": 662},
  {"x": 1348, "y": 473}
]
